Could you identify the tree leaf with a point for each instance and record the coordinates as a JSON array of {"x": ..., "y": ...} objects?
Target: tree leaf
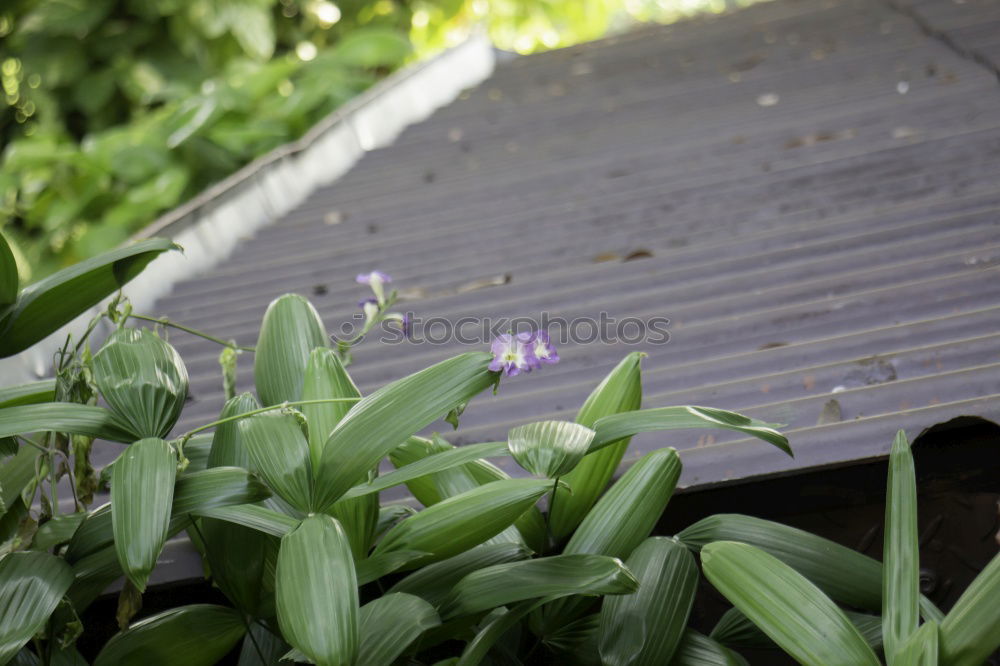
[
  {"x": 560, "y": 575},
  {"x": 317, "y": 592},
  {"x": 196, "y": 635},
  {"x": 463, "y": 521},
  {"x": 372, "y": 47},
  {"x": 67, "y": 417},
  {"x": 255, "y": 517},
  {"x": 699, "y": 650},
  {"x": 846, "y": 575},
  {"x": 434, "y": 581},
  {"x": 430, "y": 465},
  {"x": 31, "y": 585},
  {"x": 390, "y": 624},
  {"x": 290, "y": 331},
  {"x": 796, "y": 614},
  {"x": 971, "y": 630},
  {"x": 143, "y": 380},
  {"x": 28, "y": 394},
  {"x": 613, "y": 428},
  {"x": 279, "y": 452},
  {"x": 46, "y": 305},
  {"x": 645, "y": 628},
  {"x": 383, "y": 420},
  {"x": 142, "y": 490},
  {"x": 620, "y": 391},
  {"x": 921, "y": 647},
  {"x": 228, "y": 448},
  {"x": 901, "y": 573},
  {"x": 549, "y": 448}
]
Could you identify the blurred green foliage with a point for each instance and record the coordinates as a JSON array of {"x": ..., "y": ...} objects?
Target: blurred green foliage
[{"x": 117, "y": 110}]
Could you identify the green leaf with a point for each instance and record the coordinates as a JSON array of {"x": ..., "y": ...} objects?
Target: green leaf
[
  {"x": 549, "y": 448},
  {"x": 228, "y": 448},
  {"x": 613, "y": 428},
  {"x": 430, "y": 465},
  {"x": 510, "y": 582},
  {"x": 901, "y": 574},
  {"x": 241, "y": 562},
  {"x": 216, "y": 487},
  {"x": 279, "y": 452},
  {"x": 463, "y": 521},
  {"x": 971, "y": 630},
  {"x": 196, "y": 635},
  {"x": 143, "y": 380},
  {"x": 255, "y": 517},
  {"x": 796, "y": 614},
  {"x": 142, "y": 490},
  {"x": 28, "y": 394},
  {"x": 478, "y": 648},
  {"x": 15, "y": 474},
  {"x": 65, "y": 417},
  {"x": 290, "y": 331},
  {"x": 325, "y": 377},
  {"x": 46, "y": 305},
  {"x": 196, "y": 451},
  {"x": 620, "y": 391},
  {"x": 31, "y": 585},
  {"x": 383, "y": 420},
  {"x": 9, "y": 281},
  {"x": 317, "y": 592},
  {"x": 58, "y": 530},
  {"x": 372, "y": 568},
  {"x": 698, "y": 650},
  {"x": 372, "y": 47},
  {"x": 847, "y": 576},
  {"x": 869, "y": 626},
  {"x": 434, "y": 581},
  {"x": 389, "y": 625},
  {"x": 922, "y": 647},
  {"x": 645, "y": 628}
]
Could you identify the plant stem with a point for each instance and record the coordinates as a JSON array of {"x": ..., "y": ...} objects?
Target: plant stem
[
  {"x": 163, "y": 321},
  {"x": 548, "y": 514},
  {"x": 294, "y": 403}
]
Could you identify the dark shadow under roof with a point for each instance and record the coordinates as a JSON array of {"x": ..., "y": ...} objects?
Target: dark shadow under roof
[{"x": 807, "y": 189}]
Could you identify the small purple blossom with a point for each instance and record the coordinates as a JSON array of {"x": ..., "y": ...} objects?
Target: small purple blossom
[
  {"x": 512, "y": 354},
  {"x": 542, "y": 349},
  {"x": 374, "y": 276},
  {"x": 369, "y": 306}
]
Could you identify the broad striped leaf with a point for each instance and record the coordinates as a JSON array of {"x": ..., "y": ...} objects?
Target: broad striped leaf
[
  {"x": 291, "y": 329},
  {"x": 256, "y": 517},
  {"x": 15, "y": 473},
  {"x": 279, "y": 453},
  {"x": 9, "y": 280},
  {"x": 971, "y": 630},
  {"x": 430, "y": 465},
  {"x": 621, "y": 520},
  {"x": 372, "y": 568},
  {"x": 142, "y": 491},
  {"x": 510, "y": 582},
  {"x": 699, "y": 650},
  {"x": 196, "y": 635},
  {"x": 28, "y": 394},
  {"x": 846, "y": 575},
  {"x": 922, "y": 647},
  {"x": 31, "y": 585},
  {"x": 390, "y": 624},
  {"x": 478, "y": 648},
  {"x": 196, "y": 451},
  {"x": 215, "y": 487},
  {"x": 549, "y": 448},
  {"x": 796, "y": 614},
  {"x": 241, "y": 561},
  {"x": 620, "y": 391},
  {"x": 58, "y": 530},
  {"x": 434, "y": 581},
  {"x": 644, "y": 629},
  {"x": 228, "y": 448},
  {"x": 613, "y": 428},
  {"x": 317, "y": 592},
  {"x": 46, "y": 305},
  {"x": 461, "y": 522},
  {"x": 383, "y": 420},
  {"x": 143, "y": 380},
  {"x": 67, "y": 417},
  {"x": 901, "y": 555}
]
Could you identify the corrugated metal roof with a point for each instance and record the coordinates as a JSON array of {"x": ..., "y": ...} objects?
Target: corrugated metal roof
[{"x": 808, "y": 190}]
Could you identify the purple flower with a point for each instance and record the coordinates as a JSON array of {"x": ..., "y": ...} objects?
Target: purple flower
[
  {"x": 542, "y": 349},
  {"x": 370, "y": 307},
  {"x": 512, "y": 354},
  {"x": 374, "y": 276},
  {"x": 403, "y": 320}
]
